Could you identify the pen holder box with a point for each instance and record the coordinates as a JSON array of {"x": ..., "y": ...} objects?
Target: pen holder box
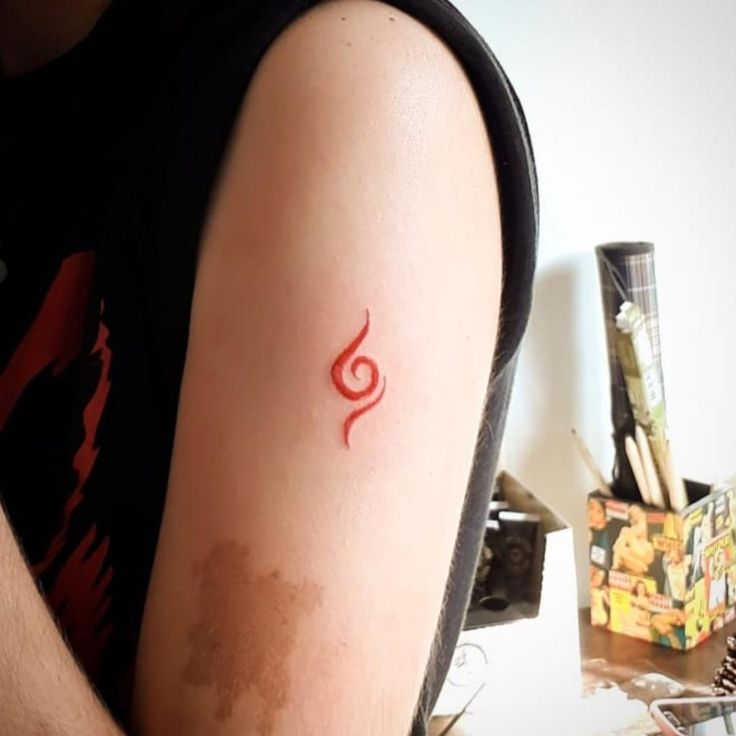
[{"x": 663, "y": 576}]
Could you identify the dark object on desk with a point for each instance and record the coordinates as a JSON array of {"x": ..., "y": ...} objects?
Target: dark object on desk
[
  {"x": 626, "y": 272},
  {"x": 490, "y": 589},
  {"x": 517, "y": 544},
  {"x": 508, "y": 577},
  {"x": 496, "y": 596},
  {"x": 484, "y": 566}
]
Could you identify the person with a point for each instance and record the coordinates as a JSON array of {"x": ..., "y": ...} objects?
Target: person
[
  {"x": 668, "y": 628},
  {"x": 676, "y": 566},
  {"x": 633, "y": 552},
  {"x": 640, "y": 603},
  {"x": 600, "y": 597},
  {"x": 257, "y": 258},
  {"x": 716, "y": 580}
]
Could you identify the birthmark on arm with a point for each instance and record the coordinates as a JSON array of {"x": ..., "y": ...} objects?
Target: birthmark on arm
[
  {"x": 346, "y": 363},
  {"x": 246, "y": 631}
]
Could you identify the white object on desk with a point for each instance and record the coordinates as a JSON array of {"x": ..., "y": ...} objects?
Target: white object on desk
[
  {"x": 650, "y": 470},
  {"x": 632, "y": 453}
]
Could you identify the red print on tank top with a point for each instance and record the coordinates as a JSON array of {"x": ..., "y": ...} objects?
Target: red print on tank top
[{"x": 79, "y": 592}]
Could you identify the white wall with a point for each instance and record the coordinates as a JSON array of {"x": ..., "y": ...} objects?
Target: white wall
[{"x": 632, "y": 111}]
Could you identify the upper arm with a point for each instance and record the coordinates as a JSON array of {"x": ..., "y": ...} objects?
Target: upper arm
[{"x": 359, "y": 177}]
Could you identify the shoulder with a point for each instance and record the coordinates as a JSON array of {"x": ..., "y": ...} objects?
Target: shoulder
[
  {"x": 363, "y": 62},
  {"x": 358, "y": 118},
  {"x": 343, "y": 36},
  {"x": 359, "y": 105}
]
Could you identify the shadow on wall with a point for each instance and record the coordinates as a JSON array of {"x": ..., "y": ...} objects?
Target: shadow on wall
[{"x": 550, "y": 393}]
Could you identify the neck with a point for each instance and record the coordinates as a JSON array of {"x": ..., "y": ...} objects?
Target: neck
[{"x": 34, "y": 32}]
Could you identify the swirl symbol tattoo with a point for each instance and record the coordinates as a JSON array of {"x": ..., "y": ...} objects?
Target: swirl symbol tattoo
[{"x": 346, "y": 360}]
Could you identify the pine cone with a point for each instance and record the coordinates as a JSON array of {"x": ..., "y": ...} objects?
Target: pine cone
[{"x": 724, "y": 680}]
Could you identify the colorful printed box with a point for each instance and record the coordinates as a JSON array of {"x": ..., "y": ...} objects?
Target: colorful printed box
[{"x": 662, "y": 576}]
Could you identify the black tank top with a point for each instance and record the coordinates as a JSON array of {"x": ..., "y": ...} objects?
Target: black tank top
[{"x": 107, "y": 160}]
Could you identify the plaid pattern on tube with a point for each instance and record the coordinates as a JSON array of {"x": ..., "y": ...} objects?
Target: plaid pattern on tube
[{"x": 626, "y": 272}]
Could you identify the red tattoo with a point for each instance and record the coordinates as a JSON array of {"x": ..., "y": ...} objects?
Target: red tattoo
[{"x": 338, "y": 369}]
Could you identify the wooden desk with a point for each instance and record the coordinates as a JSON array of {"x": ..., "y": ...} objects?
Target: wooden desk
[{"x": 620, "y": 659}]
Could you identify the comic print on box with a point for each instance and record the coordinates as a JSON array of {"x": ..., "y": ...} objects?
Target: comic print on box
[{"x": 665, "y": 577}]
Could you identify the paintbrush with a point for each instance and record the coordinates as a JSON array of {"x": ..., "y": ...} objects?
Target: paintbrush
[
  {"x": 595, "y": 471},
  {"x": 650, "y": 469},
  {"x": 675, "y": 483},
  {"x": 632, "y": 453}
]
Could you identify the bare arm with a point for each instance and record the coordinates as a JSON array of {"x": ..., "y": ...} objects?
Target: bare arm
[
  {"x": 290, "y": 594},
  {"x": 298, "y": 581},
  {"x": 42, "y": 690}
]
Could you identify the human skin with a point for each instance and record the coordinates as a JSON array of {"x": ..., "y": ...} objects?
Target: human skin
[
  {"x": 596, "y": 514},
  {"x": 378, "y": 206},
  {"x": 632, "y": 550},
  {"x": 664, "y": 623},
  {"x": 288, "y": 593}
]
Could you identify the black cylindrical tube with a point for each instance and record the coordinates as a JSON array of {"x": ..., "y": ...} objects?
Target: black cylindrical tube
[{"x": 626, "y": 272}]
